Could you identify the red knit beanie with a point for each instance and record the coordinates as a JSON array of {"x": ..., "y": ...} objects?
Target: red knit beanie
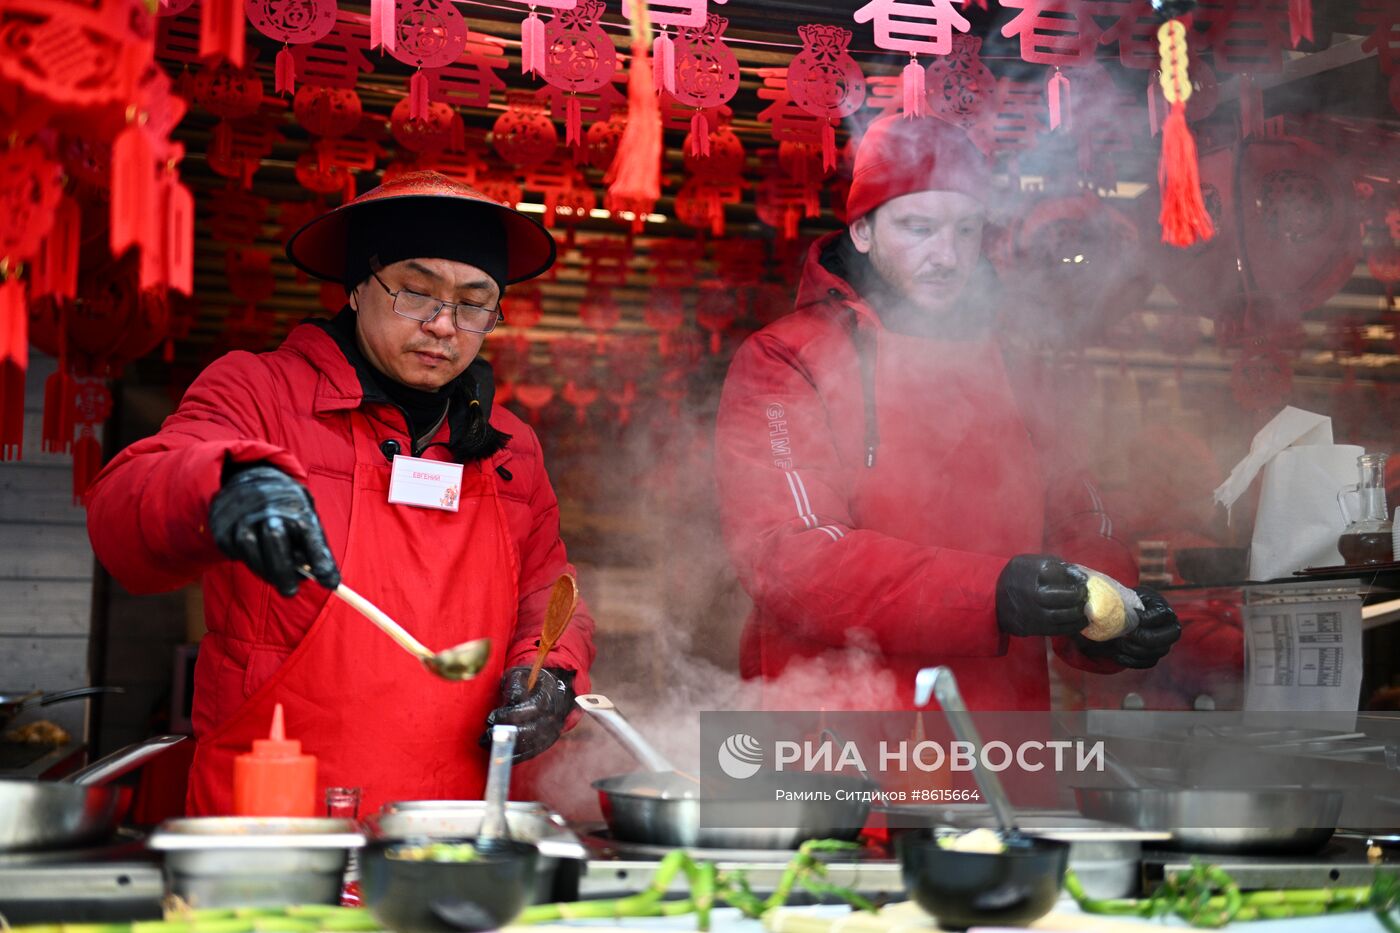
[{"x": 900, "y": 156}]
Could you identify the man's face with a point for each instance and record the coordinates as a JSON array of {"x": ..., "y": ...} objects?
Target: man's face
[
  {"x": 422, "y": 355},
  {"x": 925, "y": 245}
]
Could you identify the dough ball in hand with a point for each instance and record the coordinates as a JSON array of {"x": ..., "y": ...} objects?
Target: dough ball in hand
[{"x": 1107, "y": 615}]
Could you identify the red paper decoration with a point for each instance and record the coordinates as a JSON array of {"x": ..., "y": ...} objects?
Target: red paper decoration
[
  {"x": 918, "y": 29},
  {"x": 439, "y": 128},
  {"x": 1054, "y": 32},
  {"x": 237, "y": 216},
  {"x": 700, "y": 202},
  {"x": 790, "y": 123},
  {"x": 533, "y": 46},
  {"x": 1383, "y": 16},
  {"x": 580, "y": 58},
  {"x": 1262, "y": 379},
  {"x": 602, "y": 140},
  {"x": 323, "y": 110},
  {"x": 30, "y": 188},
  {"x": 293, "y": 22},
  {"x": 665, "y": 313},
  {"x": 1017, "y": 121},
  {"x": 237, "y": 148},
  {"x": 228, "y": 91},
  {"x": 783, "y": 202},
  {"x": 1074, "y": 264},
  {"x": 469, "y": 81},
  {"x": 725, "y": 158},
  {"x": 826, "y": 82},
  {"x": 716, "y": 310},
  {"x": 1245, "y": 36},
  {"x": 707, "y": 74},
  {"x": 591, "y": 107},
  {"x": 961, "y": 88},
  {"x": 337, "y": 59},
  {"x": 523, "y": 135},
  {"x": 429, "y": 34},
  {"x": 523, "y": 305},
  {"x": 249, "y": 273},
  {"x": 67, "y": 55}
]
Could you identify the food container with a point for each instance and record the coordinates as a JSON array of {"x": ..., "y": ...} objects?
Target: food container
[
  {"x": 965, "y": 889},
  {"x": 241, "y": 861},
  {"x": 562, "y": 854},
  {"x": 410, "y": 895}
]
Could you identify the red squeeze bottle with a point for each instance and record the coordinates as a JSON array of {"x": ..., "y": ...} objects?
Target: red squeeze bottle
[{"x": 275, "y": 778}]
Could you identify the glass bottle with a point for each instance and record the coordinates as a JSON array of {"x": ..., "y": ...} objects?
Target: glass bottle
[
  {"x": 343, "y": 803},
  {"x": 1367, "y": 539}
]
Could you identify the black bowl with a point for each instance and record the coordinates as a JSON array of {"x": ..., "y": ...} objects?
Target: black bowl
[
  {"x": 964, "y": 889},
  {"x": 412, "y": 896}
]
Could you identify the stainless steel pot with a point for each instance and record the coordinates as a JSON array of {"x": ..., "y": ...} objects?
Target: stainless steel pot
[
  {"x": 83, "y": 808},
  {"x": 1256, "y": 820},
  {"x": 663, "y": 809}
]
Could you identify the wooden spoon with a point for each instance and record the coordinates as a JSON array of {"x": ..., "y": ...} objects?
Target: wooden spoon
[{"x": 563, "y": 600}]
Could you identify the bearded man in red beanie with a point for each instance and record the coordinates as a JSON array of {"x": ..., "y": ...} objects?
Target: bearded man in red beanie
[
  {"x": 887, "y": 504},
  {"x": 365, "y": 446}
]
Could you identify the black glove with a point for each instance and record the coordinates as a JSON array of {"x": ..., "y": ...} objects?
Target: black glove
[
  {"x": 1158, "y": 629},
  {"x": 267, "y": 520},
  {"x": 1041, "y": 595},
  {"x": 540, "y": 713}
]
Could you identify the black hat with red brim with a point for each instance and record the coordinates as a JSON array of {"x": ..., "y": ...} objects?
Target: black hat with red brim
[{"x": 320, "y": 248}]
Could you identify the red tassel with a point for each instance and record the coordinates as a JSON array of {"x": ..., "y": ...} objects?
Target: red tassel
[
  {"x": 59, "y": 389},
  {"x": 634, "y": 180},
  {"x": 383, "y": 24},
  {"x": 699, "y": 135},
  {"x": 1300, "y": 24},
  {"x": 1057, "y": 94},
  {"x": 56, "y": 266},
  {"x": 457, "y": 140},
  {"x": 790, "y": 217},
  {"x": 663, "y": 63},
  {"x": 14, "y": 360},
  {"x": 221, "y": 31},
  {"x": 1184, "y": 219},
  {"x": 828, "y": 146},
  {"x": 915, "y": 101},
  {"x": 418, "y": 96},
  {"x": 573, "y": 121},
  {"x": 179, "y": 236},
  {"x": 87, "y": 463},
  {"x": 133, "y": 189},
  {"x": 534, "y": 56},
  {"x": 285, "y": 72}
]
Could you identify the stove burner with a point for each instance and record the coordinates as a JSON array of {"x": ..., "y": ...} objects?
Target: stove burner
[{"x": 111, "y": 883}]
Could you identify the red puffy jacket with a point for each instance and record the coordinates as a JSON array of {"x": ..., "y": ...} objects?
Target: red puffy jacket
[
  {"x": 873, "y": 486},
  {"x": 291, "y": 407}
]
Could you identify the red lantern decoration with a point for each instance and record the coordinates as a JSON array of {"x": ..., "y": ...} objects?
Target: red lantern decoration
[
  {"x": 92, "y": 406},
  {"x": 599, "y": 311},
  {"x": 700, "y": 203},
  {"x": 665, "y": 313},
  {"x": 439, "y": 128},
  {"x": 523, "y": 135},
  {"x": 580, "y": 57},
  {"x": 707, "y": 74},
  {"x": 716, "y": 311},
  {"x": 66, "y": 57},
  {"x": 523, "y": 305},
  {"x": 600, "y": 146},
  {"x": 323, "y": 110},
  {"x": 725, "y": 158}
]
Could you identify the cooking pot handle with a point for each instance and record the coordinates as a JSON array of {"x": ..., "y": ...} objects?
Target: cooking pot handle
[
  {"x": 75, "y": 693},
  {"x": 113, "y": 766},
  {"x": 606, "y": 713}
]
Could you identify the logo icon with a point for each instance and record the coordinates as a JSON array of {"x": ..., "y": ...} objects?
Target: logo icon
[{"x": 740, "y": 756}]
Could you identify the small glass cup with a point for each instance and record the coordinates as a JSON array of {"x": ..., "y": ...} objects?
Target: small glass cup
[{"x": 343, "y": 803}]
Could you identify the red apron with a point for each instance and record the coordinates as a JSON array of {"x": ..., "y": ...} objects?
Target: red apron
[
  {"x": 967, "y": 478},
  {"x": 370, "y": 713}
]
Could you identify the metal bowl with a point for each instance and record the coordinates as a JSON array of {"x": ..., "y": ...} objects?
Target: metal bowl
[
  {"x": 1287, "y": 821},
  {"x": 255, "y": 861}
]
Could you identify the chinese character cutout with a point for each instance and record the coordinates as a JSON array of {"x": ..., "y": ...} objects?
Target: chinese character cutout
[
  {"x": 1245, "y": 36},
  {"x": 826, "y": 82},
  {"x": 789, "y": 122},
  {"x": 918, "y": 29},
  {"x": 469, "y": 81},
  {"x": 1383, "y": 16},
  {"x": 338, "y": 59}
]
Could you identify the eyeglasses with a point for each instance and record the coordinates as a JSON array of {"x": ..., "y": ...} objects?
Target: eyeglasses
[{"x": 474, "y": 319}]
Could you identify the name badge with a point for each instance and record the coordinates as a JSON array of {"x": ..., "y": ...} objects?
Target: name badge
[{"x": 428, "y": 484}]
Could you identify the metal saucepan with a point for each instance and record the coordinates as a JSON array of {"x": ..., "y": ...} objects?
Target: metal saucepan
[
  {"x": 662, "y": 806},
  {"x": 1235, "y": 820},
  {"x": 12, "y": 704},
  {"x": 81, "y": 809}
]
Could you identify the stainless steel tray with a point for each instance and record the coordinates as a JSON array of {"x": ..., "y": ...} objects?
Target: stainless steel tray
[{"x": 255, "y": 832}]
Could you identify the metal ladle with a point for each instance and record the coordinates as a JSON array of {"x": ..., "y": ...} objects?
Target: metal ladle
[
  {"x": 939, "y": 681},
  {"x": 461, "y": 662}
]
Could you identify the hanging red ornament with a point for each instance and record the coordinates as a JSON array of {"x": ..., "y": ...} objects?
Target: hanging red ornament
[
  {"x": 1183, "y": 218},
  {"x": 14, "y": 361},
  {"x": 716, "y": 310},
  {"x": 64, "y": 56},
  {"x": 580, "y": 398},
  {"x": 523, "y": 135},
  {"x": 700, "y": 202},
  {"x": 706, "y": 74},
  {"x": 802, "y": 163},
  {"x": 783, "y": 202},
  {"x": 327, "y": 111},
  {"x": 423, "y": 134},
  {"x": 1014, "y": 124},
  {"x": 30, "y": 189},
  {"x": 961, "y": 88},
  {"x": 229, "y": 91},
  {"x": 249, "y": 273},
  {"x": 665, "y": 313},
  {"x": 470, "y": 80},
  {"x": 634, "y": 178},
  {"x": 1054, "y": 32},
  {"x": 826, "y": 82},
  {"x": 222, "y": 31},
  {"x": 337, "y": 60},
  {"x": 292, "y": 22},
  {"x": 320, "y": 174},
  {"x": 501, "y": 187},
  {"x": 915, "y": 29},
  {"x": 599, "y": 311},
  {"x": 92, "y": 406},
  {"x": 55, "y": 269},
  {"x": 429, "y": 33},
  {"x": 534, "y": 397},
  {"x": 581, "y": 58},
  {"x": 523, "y": 305},
  {"x": 588, "y": 107},
  {"x": 724, "y": 153},
  {"x": 237, "y": 148},
  {"x": 601, "y": 141}
]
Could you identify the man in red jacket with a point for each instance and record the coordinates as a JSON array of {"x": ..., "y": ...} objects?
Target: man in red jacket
[
  {"x": 365, "y": 446},
  {"x": 888, "y": 500}
]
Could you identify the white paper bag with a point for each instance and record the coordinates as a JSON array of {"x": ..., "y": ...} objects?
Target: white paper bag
[{"x": 1299, "y": 521}]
